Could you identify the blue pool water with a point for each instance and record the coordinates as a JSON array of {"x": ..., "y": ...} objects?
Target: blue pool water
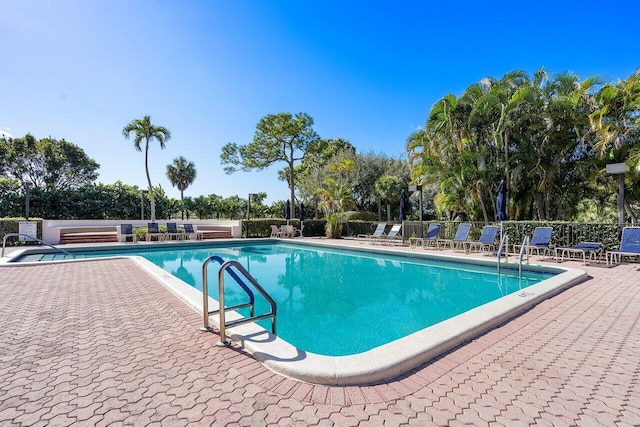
[{"x": 339, "y": 302}]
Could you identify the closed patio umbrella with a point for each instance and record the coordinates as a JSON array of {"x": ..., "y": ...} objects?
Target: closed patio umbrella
[
  {"x": 501, "y": 202},
  {"x": 287, "y": 211},
  {"x": 403, "y": 211},
  {"x": 302, "y": 217}
]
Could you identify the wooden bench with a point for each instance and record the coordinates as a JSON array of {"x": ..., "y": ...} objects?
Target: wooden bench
[
  {"x": 104, "y": 234},
  {"x": 214, "y": 231}
]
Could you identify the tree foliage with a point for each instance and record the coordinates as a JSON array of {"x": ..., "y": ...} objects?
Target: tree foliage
[
  {"x": 549, "y": 137},
  {"x": 278, "y": 137},
  {"x": 145, "y": 131},
  {"x": 46, "y": 164},
  {"x": 181, "y": 174}
]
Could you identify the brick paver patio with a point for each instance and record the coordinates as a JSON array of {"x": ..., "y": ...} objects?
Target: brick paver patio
[{"x": 102, "y": 343}]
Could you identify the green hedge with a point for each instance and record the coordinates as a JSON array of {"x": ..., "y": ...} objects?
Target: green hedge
[
  {"x": 261, "y": 227},
  {"x": 564, "y": 233}
]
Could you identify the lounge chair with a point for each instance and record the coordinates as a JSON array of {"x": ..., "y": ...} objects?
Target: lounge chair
[
  {"x": 540, "y": 241},
  {"x": 486, "y": 241},
  {"x": 379, "y": 232},
  {"x": 393, "y": 235},
  {"x": 629, "y": 246},
  {"x": 172, "y": 231},
  {"x": 275, "y": 231},
  {"x": 431, "y": 238},
  {"x": 585, "y": 248},
  {"x": 462, "y": 234},
  {"x": 153, "y": 231},
  {"x": 190, "y": 233},
  {"x": 126, "y": 232}
]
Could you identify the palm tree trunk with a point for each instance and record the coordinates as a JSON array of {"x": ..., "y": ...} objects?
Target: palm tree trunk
[
  {"x": 484, "y": 208},
  {"x": 292, "y": 183},
  {"x": 151, "y": 198},
  {"x": 182, "y": 204}
]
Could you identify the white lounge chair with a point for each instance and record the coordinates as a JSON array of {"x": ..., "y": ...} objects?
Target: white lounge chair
[
  {"x": 393, "y": 236},
  {"x": 379, "y": 232}
]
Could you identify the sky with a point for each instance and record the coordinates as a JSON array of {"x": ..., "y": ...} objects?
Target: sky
[{"x": 365, "y": 71}]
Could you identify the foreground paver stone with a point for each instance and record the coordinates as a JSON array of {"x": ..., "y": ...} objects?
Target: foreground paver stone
[{"x": 102, "y": 343}]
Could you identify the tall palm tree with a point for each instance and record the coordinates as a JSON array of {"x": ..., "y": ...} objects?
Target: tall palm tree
[
  {"x": 181, "y": 174},
  {"x": 145, "y": 131}
]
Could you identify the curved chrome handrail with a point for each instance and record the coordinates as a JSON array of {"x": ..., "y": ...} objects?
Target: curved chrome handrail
[
  {"x": 523, "y": 249},
  {"x": 504, "y": 242},
  {"x": 4, "y": 242}
]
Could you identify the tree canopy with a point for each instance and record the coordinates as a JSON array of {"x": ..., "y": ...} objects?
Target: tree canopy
[
  {"x": 549, "y": 137},
  {"x": 47, "y": 164},
  {"x": 144, "y": 130},
  {"x": 279, "y": 137},
  {"x": 181, "y": 173}
]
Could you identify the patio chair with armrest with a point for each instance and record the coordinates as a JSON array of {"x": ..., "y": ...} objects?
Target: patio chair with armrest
[
  {"x": 629, "y": 246},
  {"x": 172, "y": 231},
  {"x": 153, "y": 231},
  {"x": 462, "y": 234},
  {"x": 486, "y": 241},
  {"x": 275, "y": 231},
  {"x": 191, "y": 233},
  {"x": 126, "y": 232},
  {"x": 540, "y": 241},
  {"x": 431, "y": 237},
  {"x": 287, "y": 231}
]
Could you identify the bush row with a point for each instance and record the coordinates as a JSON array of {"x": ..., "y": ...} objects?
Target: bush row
[{"x": 564, "y": 233}]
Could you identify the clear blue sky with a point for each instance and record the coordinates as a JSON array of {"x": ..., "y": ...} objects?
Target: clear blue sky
[{"x": 366, "y": 71}]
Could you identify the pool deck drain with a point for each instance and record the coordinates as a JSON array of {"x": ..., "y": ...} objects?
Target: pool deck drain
[{"x": 103, "y": 343}]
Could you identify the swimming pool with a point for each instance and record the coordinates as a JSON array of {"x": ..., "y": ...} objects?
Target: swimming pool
[
  {"x": 365, "y": 299},
  {"x": 333, "y": 302}
]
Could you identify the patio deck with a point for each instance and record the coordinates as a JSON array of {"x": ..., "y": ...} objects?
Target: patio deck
[{"x": 103, "y": 343}]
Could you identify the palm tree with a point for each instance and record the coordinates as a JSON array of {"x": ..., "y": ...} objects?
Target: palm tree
[
  {"x": 145, "y": 131},
  {"x": 181, "y": 174}
]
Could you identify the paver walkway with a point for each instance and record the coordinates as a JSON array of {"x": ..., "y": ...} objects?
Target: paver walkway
[{"x": 102, "y": 343}]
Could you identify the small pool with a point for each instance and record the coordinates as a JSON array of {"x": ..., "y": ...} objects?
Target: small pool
[{"x": 337, "y": 302}]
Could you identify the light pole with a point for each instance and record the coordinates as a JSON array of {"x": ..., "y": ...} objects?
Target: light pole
[
  {"x": 619, "y": 169},
  {"x": 27, "y": 199},
  {"x": 418, "y": 188}
]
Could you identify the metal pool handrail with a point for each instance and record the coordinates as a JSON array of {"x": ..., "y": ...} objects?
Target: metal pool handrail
[
  {"x": 4, "y": 242},
  {"x": 222, "y": 310},
  {"x": 523, "y": 249},
  {"x": 504, "y": 242}
]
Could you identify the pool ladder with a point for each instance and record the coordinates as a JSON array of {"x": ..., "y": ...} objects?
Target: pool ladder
[{"x": 222, "y": 310}]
